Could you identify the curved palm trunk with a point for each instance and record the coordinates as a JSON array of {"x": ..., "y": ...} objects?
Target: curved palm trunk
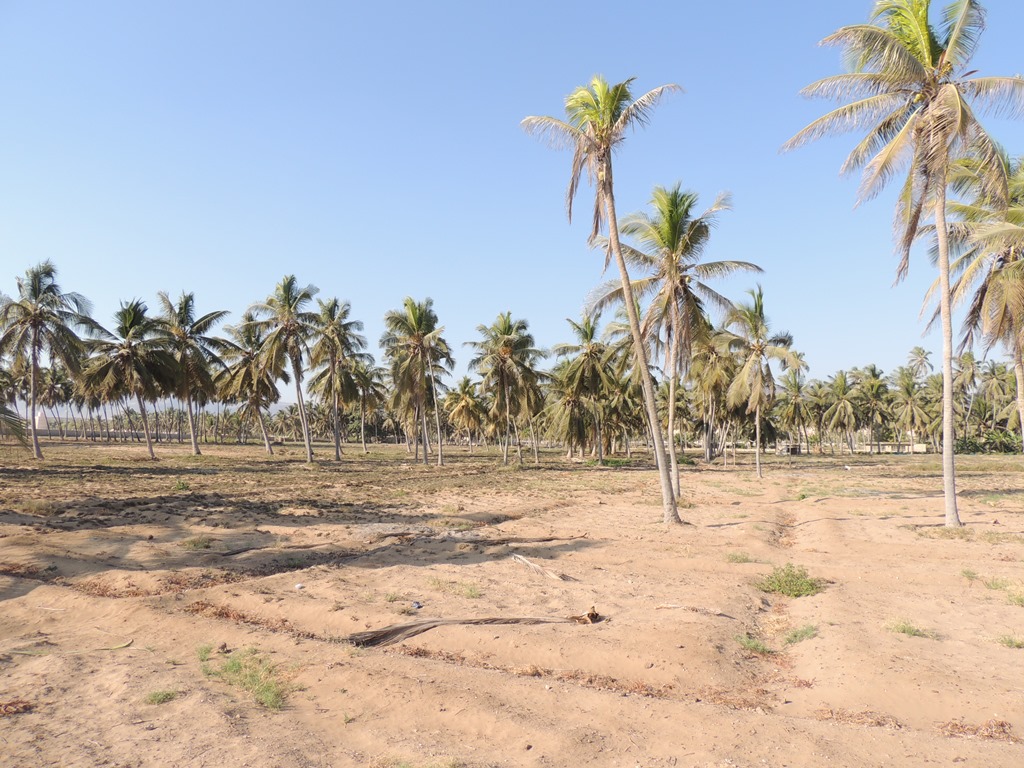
[
  {"x": 670, "y": 513},
  {"x": 263, "y": 431},
  {"x": 946, "y": 312},
  {"x": 145, "y": 425}
]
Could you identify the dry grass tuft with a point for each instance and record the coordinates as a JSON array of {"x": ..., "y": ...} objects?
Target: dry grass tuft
[
  {"x": 865, "y": 717},
  {"x": 15, "y": 707},
  {"x": 996, "y": 730}
]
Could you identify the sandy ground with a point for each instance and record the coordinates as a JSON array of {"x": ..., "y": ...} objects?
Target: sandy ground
[{"x": 117, "y": 573}]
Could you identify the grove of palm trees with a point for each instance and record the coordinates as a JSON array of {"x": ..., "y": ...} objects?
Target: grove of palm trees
[{"x": 261, "y": 535}]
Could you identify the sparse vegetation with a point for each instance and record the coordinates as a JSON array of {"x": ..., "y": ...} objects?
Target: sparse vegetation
[
  {"x": 752, "y": 644},
  {"x": 451, "y": 587},
  {"x": 203, "y": 652},
  {"x": 739, "y": 557},
  {"x": 161, "y": 697},
  {"x": 904, "y": 627},
  {"x": 1011, "y": 642},
  {"x": 197, "y": 542},
  {"x": 180, "y": 485},
  {"x": 253, "y": 673},
  {"x": 792, "y": 581},
  {"x": 805, "y": 632},
  {"x": 969, "y": 574},
  {"x": 996, "y": 583}
]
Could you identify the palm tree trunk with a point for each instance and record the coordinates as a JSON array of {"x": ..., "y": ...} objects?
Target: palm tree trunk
[
  {"x": 263, "y": 431},
  {"x": 672, "y": 366},
  {"x": 362, "y": 424},
  {"x": 757, "y": 439},
  {"x": 1018, "y": 374},
  {"x": 670, "y": 513},
  {"x": 337, "y": 431},
  {"x": 296, "y": 371},
  {"x": 437, "y": 417},
  {"x": 946, "y": 312},
  {"x": 145, "y": 426},
  {"x": 36, "y": 450},
  {"x": 533, "y": 437},
  {"x": 193, "y": 437}
]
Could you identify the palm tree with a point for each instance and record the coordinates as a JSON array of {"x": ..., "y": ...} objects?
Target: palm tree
[
  {"x": 288, "y": 328},
  {"x": 506, "y": 358},
  {"x": 671, "y": 241},
  {"x": 794, "y": 405},
  {"x": 995, "y": 274},
  {"x": 757, "y": 347},
  {"x": 909, "y": 81},
  {"x": 841, "y": 413},
  {"x": 908, "y": 403},
  {"x": 414, "y": 344},
  {"x": 370, "y": 390},
  {"x": 193, "y": 349},
  {"x": 872, "y": 395},
  {"x": 588, "y": 373},
  {"x": 131, "y": 361},
  {"x": 250, "y": 377},
  {"x": 465, "y": 408},
  {"x": 338, "y": 344},
  {"x": 598, "y": 116},
  {"x": 42, "y": 319}
]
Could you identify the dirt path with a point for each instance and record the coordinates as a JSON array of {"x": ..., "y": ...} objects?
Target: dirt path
[{"x": 190, "y": 557}]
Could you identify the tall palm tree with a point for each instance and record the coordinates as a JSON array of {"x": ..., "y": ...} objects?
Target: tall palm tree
[
  {"x": 671, "y": 240},
  {"x": 908, "y": 403},
  {"x": 597, "y": 118},
  {"x": 132, "y": 361},
  {"x": 757, "y": 347},
  {"x": 909, "y": 82},
  {"x": 841, "y": 414},
  {"x": 338, "y": 343},
  {"x": 872, "y": 395},
  {"x": 794, "y": 405},
  {"x": 42, "y": 319},
  {"x": 507, "y": 359},
  {"x": 288, "y": 328},
  {"x": 250, "y": 376},
  {"x": 194, "y": 350},
  {"x": 413, "y": 342}
]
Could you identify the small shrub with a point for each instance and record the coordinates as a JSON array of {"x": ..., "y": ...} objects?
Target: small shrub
[
  {"x": 753, "y": 645},
  {"x": 792, "y": 581},
  {"x": 799, "y": 635},
  {"x": 1016, "y": 598},
  {"x": 203, "y": 652},
  {"x": 970, "y": 575},
  {"x": 1011, "y": 642},
  {"x": 197, "y": 542},
  {"x": 181, "y": 485},
  {"x": 161, "y": 697},
  {"x": 391, "y": 597}
]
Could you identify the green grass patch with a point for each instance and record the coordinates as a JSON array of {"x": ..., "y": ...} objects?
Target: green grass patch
[
  {"x": 197, "y": 542},
  {"x": 996, "y": 583},
  {"x": 792, "y": 581},
  {"x": 752, "y": 644},
  {"x": 1016, "y": 598},
  {"x": 805, "y": 632},
  {"x": 1011, "y": 642},
  {"x": 464, "y": 589},
  {"x": 970, "y": 575},
  {"x": 904, "y": 627},
  {"x": 739, "y": 557},
  {"x": 161, "y": 697},
  {"x": 180, "y": 485},
  {"x": 254, "y": 674},
  {"x": 203, "y": 652}
]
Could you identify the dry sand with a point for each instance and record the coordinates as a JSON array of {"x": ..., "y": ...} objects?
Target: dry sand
[{"x": 95, "y": 553}]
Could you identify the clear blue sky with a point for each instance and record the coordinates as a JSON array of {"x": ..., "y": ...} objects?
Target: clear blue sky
[{"x": 374, "y": 149}]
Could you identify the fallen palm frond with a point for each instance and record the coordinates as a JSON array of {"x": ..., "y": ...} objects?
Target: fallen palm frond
[
  {"x": 15, "y": 707},
  {"x": 398, "y": 632},
  {"x": 541, "y": 570}
]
